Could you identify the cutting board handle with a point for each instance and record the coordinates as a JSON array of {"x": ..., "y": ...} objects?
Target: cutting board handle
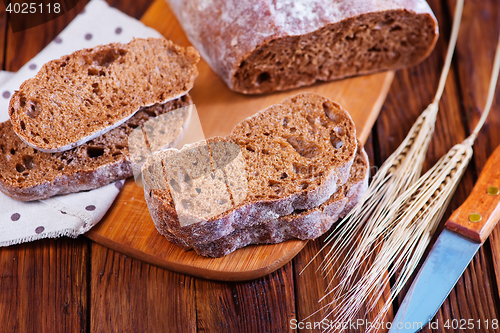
[{"x": 478, "y": 215}]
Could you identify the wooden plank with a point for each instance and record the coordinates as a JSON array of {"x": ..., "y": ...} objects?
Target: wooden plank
[
  {"x": 128, "y": 227},
  {"x": 50, "y": 272},
  {"x": 3, "y": 33},
  {"x": 475, "y": 51},
  {"x": 128, "y": 294},
  {"x": 24, "y": 45},
  {"x": 263, "y": 305},
  {"x": 132, "y": 8},
  {"x": 44, "y": 286}
]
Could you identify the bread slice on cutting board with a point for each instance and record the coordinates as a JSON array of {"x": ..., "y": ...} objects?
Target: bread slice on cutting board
[
  {"x": 260, "y": 46},
  {"x": 81, "y": 96},
  {"x": 292, "y": 156},
  {"x": 308, "y": 224},
  {"x": 28, "y": 174}
]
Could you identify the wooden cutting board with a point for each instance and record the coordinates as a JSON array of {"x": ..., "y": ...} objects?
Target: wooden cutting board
[{"x": 128, "y": 228}]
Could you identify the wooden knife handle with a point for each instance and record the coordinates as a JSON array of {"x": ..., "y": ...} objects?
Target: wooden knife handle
[{"x": 479, "y": 214}]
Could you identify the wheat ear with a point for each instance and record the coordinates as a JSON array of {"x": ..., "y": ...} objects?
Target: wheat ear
[
  {"x": 370, "y": 218},
  {"x": 416, "y": 215},
  {"x": 428, "y": 200}
]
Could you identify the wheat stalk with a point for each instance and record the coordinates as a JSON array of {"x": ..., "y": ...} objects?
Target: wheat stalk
[
  {"x": 425, "y": 202},
  {"x": 395, "y": 220},
  {"x": 371, "y": 218}
]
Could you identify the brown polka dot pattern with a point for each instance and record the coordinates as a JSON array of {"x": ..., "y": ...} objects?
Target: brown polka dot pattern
[
  {"x": 39, "y": 229},
  {"x": 88, "y": 36},
  {"x": 90, "y": 208},
  {"x": 15, "y": 216},
  {"x": 6, "y": 94}
]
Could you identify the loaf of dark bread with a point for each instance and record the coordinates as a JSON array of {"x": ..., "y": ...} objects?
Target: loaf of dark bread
[
  {"x": 259, "y": 46},
  {"x": 28, "y": 174},
  {"x": 290, "y": 156},
  {"x": 81, "y": 96}
]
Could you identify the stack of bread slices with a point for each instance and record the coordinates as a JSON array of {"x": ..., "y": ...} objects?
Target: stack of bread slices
[
  {"x": 289, "y": 171},
  {"x": 69, "y": 125}
]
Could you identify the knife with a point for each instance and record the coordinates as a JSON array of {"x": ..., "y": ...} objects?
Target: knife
[{"x": 468, "y": 227}]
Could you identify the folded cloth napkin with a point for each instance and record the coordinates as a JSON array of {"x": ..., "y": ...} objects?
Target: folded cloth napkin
[{"x": 72, "y": 214}]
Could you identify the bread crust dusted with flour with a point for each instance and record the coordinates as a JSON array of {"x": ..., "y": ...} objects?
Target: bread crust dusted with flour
[
  {"x": 295, "y": 155},
  {"x": 28, "y": 174},
  {"x": 260, "y": 46},
  {"x": 81, "y": 96}
]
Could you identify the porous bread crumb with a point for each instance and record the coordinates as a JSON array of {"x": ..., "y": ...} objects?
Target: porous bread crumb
[
  {"x": 156, "y": 134},
  {"x": 78, "y": 97},
  {"x": 308, "y": 224},
  {"x": 28, "y": 174},
  {"x": 260, "y": 46},
  {"x": 296, "y": 154}
]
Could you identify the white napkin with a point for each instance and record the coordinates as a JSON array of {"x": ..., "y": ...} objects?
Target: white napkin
[{"x": 72, "y": 214}]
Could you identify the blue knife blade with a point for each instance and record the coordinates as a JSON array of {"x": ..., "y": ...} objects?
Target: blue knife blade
[
  {"x": 467, "y": 228},
  {"x": 444, "y": 265}
]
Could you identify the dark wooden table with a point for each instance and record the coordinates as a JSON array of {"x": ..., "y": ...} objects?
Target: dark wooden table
[{"x": 76, "y": 285}]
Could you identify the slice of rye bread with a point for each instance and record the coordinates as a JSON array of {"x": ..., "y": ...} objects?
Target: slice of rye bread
[
  {"x": 82, "y": 95},
  {"x": 295, "y": 154},
  {"x": 308, "y": 224},
  {"x": 260, "y": 46},
  {"x": 197, "y": 190},
  {"x": 27, "y": 174}
]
